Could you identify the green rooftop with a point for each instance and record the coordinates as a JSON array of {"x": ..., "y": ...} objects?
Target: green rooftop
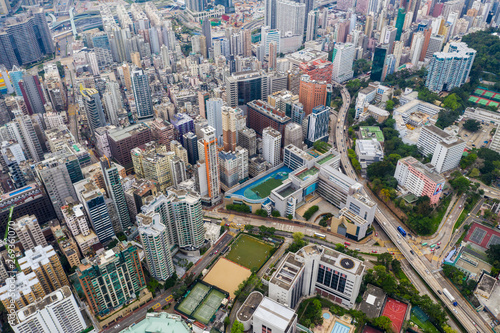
[
  {"x": 371, "y": 132},
  {"x": 159, "y": 322},
  {"x": 307, "y": 173},
  {"x": 326, "y": 159}
]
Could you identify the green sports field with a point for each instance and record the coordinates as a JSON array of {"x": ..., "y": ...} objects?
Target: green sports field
[
  {"x": 249, "y": 252},
  {"x": 264, "y": 189},
  {"x": 209, "y": 306},
  {"x": 194, "y": 298}
]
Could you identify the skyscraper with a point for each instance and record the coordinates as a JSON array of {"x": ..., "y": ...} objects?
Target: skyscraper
[
  {"x": 111, "y": 279},
  {"x": 233, "y": 167},
  {"x": 291, "y": 16},
  {"x": 312, "y": 25},
  {"x": 378, "y": 63},
  {"x": 196, "y": 5},
  {"x": 206, "y": 30},
  {"x": 93, "y": 108},
  {"x": 44, "y": 262},
  {"x": 273, "y": 55},
  {"x": 208, "y": 178},
  {"x": 29, "y": 232},
  {"x": 92, "y": 200},
  {"x": 214, "y": 117},
  {"x": 270, "y": 13},
  {"x": 142, "y": 94},
  {"x": 115, "y": 191},
  {"x": 400, "y": 21},
  {"x": 32, "y": 94},
  {"x": 156, "y": 246},
  {"x": 271, "y": 146},
  {"x": 57, "y": 312},
  {"x": 191, "y": 145},
  {"x": 451, "y": 69},
  {"x": 416, "y": 47},
  {"x": 232, "y": 121},
  {"x": 293, "y": 135},
  {"x": 312, "y": 93},
  {"x": 343, "y": 58},
  {"x": 317, "y": 129}
]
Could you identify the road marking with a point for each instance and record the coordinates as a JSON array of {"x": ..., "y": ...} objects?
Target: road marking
[
  {"x": 157, "y": 305},
  {"x": 435, "y": 258},
  {"x": 169, "y": 298},
  {"x": 231, "y": 217}
]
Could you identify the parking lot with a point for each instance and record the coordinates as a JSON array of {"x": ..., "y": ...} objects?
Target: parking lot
[{"x": 477, "y": 139}]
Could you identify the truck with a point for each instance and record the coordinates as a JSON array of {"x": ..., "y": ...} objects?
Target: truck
[
  {"x": 319, "y": 236},
  {"x": 402, "y": 231},
  {"x": 451, "y": 298}
]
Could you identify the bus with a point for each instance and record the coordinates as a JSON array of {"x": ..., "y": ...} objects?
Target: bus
[
  {"x": 433, "y": 246},
  {"x": 347, "y": 243},
  {"x": 402, "y": 231},
  {"x": 424, "y": 244},
  {"x": 319, "y": 236}
]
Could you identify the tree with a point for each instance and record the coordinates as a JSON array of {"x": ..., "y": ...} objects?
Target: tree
[
  {"x": 389, "y": 105},
  {"x": 275, "y": 213},
  {"x": 385, "y": 195},
  {"x": 451, "y": 102},
  {"x": 261, "y": 212},
  {"x": 472, "y": 125},
  {"x": 396, "y": 266},
  {"x": 237, "y": 327},
  {"x": 289, "y": 216},
  {"x": 384, "y": 323},
  {"x": 384, "y": 259},
  {"x": 448, "y": 329},
  {"x": 474, "y": 173},
  {"x": 468, "y": 160},
  {"x": 460, "y": 184},
  {"x": 493, "y": 253}
]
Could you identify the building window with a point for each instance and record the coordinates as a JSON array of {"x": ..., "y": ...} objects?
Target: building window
[{"x": 266, "y": 329}]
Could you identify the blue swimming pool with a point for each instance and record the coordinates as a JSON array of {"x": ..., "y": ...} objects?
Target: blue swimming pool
[
  {"x": 340, "y": 328},
  {"x": 281, "y": 173},
  {"x": 326, "y": 315}
]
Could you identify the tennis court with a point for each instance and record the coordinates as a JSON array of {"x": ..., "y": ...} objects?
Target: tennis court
[
  {"x": 194, "y": 298},
  {"x": 209, "y": 306}
]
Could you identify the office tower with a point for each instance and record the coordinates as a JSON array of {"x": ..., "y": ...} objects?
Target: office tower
[
  {"x": 156, "y": 247},
  {"x": 261, "y": 115},
  {"x": 245, "y": 87},
  {"x": 451, "y": 69},
  {"x": 208, "y": 166},
  {"x": 32, "y": 93},
  {"x": 290, "y": 17},
  {"x": 93, "y": 108},
  {"x": 196, "y": 5},
  {"x": 398, "y": 52},
  {"x": 343, "y": 58},
  {"x": 378, "y": 63},
  {"x": 214, "y": 117},
  {"x": 21, "y": 290},
  {"x": 182, "y": 124},
  {"x": 115, "y": 191},
  {"x": 293, "y": 135},
  {"x": 111, "y": 279},
  {"x": 25, "y": 39},
  {"x": 317, "y": 129},
  {"x": 271, "y": 145},
  {"x": 416, "y": 47},
  {"x": 268, "y": 36},
  {"x": 435, "y": 45},
  {"x": 29, "y": 232},
  {"x": 142, "y": 94},
  {"x": 122, "y": 140},
  {"x": 165, "y": 56},
  {"x": 44, "y": 262},
  {"x": 312, "y": 25},
  {"x": 342, "y": 28},
  {"x": 54, "y": 174},
  {"x": 102, "y": 49},
  {"x": 400, "y": 20},
  {"x": 232, "y": 121},
  {"x": 389, "y": 66},
  {"x": 312, "y": 93},
  {"x": 181, "y": 213},
  {"x": 58, "y": 312},
  {"x": 75, "y": 219},
  {"x": 162, "y": 131},
  {"x": 270, "y": 13},
  {"x": 369, "y": 26},
  {"x": 247, "y": 138},
  {"x": 191, "y": 145},
  {"x": 233, "y": 167},
  {"x": 206, "y": 30},
  {"x": 92, "y": 199}
]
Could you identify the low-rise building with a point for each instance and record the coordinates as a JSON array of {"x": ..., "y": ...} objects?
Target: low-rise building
[
  {"x": 368, "y": 152},
  {"x": 273, "y": 317}
]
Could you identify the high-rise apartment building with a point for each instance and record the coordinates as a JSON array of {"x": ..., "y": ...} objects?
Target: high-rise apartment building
[
  {"x": 312, "y": 25},
  {"x": 214, "y": 117},
  {"x": 142, "y": 94},
  {"x": 233, "y": 167},
  {"x": 261, "y": 115},
  {"x": 75, "y": 219},
  {"x": 115, "y": 191},
  {"x": 93, "y": 108},
  {"x": 152, "y": 161},
  {"x": 122, "y": 140},
  {"x": 293, "y": 135},
  {"x": 450, "y": 69},
  {"x": 58, "y": 312},
  {"x": 290, "y": 17},
  {"x": 317, "y": 128},
  {"x": 162, "y": 131},
  {"x": 247, "y": 138},
  {"x": 232, "y": 122},
  {"x": 111, "y": 279},
  {"x": 343, "y": 58},
  {"x": 22, "y": 290},
  {"x": 208, "y": 177},
  {"x": 181, "y": 213},
  {"x": 44, "y": 262},
  {"x": 28, "y": 137},
  {"x": 32, "y": 94},
  {"x": 312, "y": 93},
  {"x": 271, "y": 146},
  {"x": 206, "y": 30},
  {"x": 29, "y": 232},
  {"x": 156, "y": 246},
  {"x": 94, "y": 203},
  {"x": 270, "y": 13}
]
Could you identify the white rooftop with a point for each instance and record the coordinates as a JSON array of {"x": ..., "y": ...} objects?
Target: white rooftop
[{"x": 272, "y": 312}]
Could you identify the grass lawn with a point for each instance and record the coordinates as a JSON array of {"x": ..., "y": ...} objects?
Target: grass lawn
[
  {"x": 249, "y": 252},
  {"x": 264, "y": 189},
  {"x": 427, "y": 326},
  {"x": 441, "y": 210}
]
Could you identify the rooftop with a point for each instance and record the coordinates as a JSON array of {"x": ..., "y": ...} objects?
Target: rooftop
[
  {"x": 272, "y": 312},
  {"x": 249, "y": 306},
  {"x": 369, "y": 132},
  {"x": 373, "y": 300},
  {"x": 159, "y": 322}
]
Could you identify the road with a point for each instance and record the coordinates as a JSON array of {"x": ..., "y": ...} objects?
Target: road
[{"x": 467, "y": 316}]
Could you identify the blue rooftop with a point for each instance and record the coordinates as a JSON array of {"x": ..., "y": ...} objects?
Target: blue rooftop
[{"x": 11, "y": 194}]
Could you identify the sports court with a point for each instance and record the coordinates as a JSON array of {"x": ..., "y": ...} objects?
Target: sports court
[
  {"x": 261, "y": 188},
  {"x": 395, "y": 311},
  {"x": 227, "y": 275},
  {"x": 483, "y": 236},
  {"x": 249, "y": 252},
  {"x": 194, "y": 297},
  {"x": 209, "y": 307}
]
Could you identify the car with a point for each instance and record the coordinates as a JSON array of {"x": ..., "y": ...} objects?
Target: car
[
  {"x": 427, "y": 272},
  {"x": 432, "y": 250},
  {"x": 439, "y": 292},
  {"x": 117, "y": 326},
  {"x": 438, "y": 247},
  {"x": 438, "y": 243},
  {"x": 216, "y": 251},
  {"x": 399, "y": 242},
  {"x": 373, "y": 251},
  {"x": 376, "y": 234},
  {"x": 411, "y": 251},
  {"x": 392, "y": 253},
  {"x": 460, "y": 206}
]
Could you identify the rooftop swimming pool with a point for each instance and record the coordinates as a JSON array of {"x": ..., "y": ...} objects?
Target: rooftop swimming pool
[{"x": 340, "y": 328}]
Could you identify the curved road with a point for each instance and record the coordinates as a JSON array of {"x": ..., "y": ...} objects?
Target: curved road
[{"x": 467, "y": 316}]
